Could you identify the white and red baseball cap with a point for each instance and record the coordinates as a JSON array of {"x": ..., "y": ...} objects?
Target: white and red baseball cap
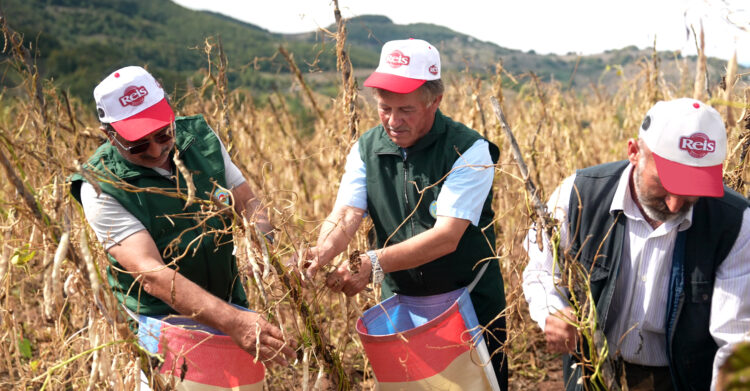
[
  {"x": 405, "y": 65},
  {"x": 689, "y": 143},
  {"x": 133, "y": 102}
]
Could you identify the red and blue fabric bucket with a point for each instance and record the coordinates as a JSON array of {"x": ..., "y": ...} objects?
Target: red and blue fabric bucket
[
  {"x": 197, "y": 357},
  {"x": 427, "y": 343}
]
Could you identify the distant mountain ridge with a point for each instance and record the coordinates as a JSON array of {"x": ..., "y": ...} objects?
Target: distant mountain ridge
[
  {"x": 80, "y": 41},
  {"x": 460, "y": 52},
  {"x": 457, "y": 49}
]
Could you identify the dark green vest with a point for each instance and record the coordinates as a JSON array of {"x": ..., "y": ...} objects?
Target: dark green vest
[
  {"x": 697, "y": 255},
  {"x": 393, "y": 185},
  {"x": 207, "y": 256}
]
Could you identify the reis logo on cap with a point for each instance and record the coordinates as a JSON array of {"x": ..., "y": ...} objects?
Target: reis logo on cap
[
  {"x": 433, "y": 69},
  {"x": 397, "y": 59},
  {"x": 697, "y": 145},
  {"x": 133, "y": 96}
]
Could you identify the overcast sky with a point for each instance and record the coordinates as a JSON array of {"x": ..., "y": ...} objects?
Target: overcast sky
[{"x": 553, "y": 26}]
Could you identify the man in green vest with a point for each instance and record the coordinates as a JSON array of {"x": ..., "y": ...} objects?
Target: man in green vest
[
  {"x": 666, "y": 246},
  {"x": 167, "y": 256},
  {"x": 426, "y": 183}
]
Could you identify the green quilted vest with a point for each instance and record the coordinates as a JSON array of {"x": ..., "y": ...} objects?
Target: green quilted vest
[
  {"x": 393, "y": 185},
  {"x": 187, "y": 241}
]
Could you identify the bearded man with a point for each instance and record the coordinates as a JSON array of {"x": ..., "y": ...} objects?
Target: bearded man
[{"x": 665, "y": 245}]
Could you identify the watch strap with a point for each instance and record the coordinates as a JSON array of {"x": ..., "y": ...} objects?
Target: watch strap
[{"x": 377, "y": 274}]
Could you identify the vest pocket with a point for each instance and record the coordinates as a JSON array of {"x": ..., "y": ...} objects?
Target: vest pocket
[
  {"x": 597, "y": 270},
  {"x": 701, "y": 291}
]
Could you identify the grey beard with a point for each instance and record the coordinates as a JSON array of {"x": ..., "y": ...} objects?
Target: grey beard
[
  {"x": 658, "y": 214},
  {"x": 655, "y": 214}
]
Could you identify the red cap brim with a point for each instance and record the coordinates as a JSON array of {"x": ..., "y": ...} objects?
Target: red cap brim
[
  {"x": 145, "y": 122},
  {"x": 393, "y": 83},
  {"x": 680, "y": 179}
]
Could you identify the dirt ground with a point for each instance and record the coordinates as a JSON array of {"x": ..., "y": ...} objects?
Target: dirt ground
[{"x": 554, "y": 382}]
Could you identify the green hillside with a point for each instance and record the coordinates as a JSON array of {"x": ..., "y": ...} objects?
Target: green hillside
[
  {"x": 457, "y": 50},
  {"x": 78, "y": 42},
  {"x": 460, "y": 52}
]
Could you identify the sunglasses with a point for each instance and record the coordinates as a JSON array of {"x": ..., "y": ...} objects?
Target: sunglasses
[{"x": 162, "y": 137}]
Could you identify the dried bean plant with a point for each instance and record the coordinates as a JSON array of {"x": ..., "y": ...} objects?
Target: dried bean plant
[{"x": 61, "y": 326}]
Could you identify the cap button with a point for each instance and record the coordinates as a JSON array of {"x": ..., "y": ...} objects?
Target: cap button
[
  {"x": 117, "y": 74},
  {"x": 696, "y": 105}
]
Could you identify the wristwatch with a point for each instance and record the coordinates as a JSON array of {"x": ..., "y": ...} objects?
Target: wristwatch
[{"x": 377, "y": 274}]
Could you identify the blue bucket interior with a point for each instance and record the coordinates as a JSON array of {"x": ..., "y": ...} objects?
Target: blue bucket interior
[{"x": 400, "y": 313}]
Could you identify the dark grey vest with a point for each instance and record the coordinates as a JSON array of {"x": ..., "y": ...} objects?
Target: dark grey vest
[{"x": 697, "y": 255}]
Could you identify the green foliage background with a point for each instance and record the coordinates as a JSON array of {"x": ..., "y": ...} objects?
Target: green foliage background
[{"x": 78, "y": 42}]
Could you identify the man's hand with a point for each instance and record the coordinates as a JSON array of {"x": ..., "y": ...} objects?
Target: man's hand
[
  {"x": 260, "y": 338},
  {"x": 306, "y": 262},
  {"x": 349, "y": 277},
  {"x": 337, "y": 231},
  {"x": 560, "y": 333}
]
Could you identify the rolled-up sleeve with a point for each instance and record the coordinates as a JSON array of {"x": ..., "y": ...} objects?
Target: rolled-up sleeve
[
  {"x": 468, "y": 184},
  {"x": 353, "y": 187}
]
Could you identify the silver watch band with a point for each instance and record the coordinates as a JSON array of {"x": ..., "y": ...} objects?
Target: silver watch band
[{"x": 377, "y": 271}]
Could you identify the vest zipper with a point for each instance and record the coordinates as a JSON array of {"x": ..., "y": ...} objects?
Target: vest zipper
[{"x": 407, "y": 210}]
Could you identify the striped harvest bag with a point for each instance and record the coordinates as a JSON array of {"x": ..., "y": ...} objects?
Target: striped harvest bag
[
  {"x": 197, "y": 357},
  {"x": 427, "y": 343}
]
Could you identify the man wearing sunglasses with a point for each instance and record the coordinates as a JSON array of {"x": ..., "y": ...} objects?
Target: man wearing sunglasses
[{"x": 144, "y": 221}]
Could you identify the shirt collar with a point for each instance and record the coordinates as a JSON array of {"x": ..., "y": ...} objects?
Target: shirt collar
[
  {"x": 622, "y": 201},
  {"x": 623, "y": 191}
]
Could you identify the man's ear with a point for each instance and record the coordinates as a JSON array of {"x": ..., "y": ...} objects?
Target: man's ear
[
  {"x": 108, "y": 134},
  {"x": 634, "y": 152},
  {"x": 436, "y": 103},
  {"x": 104, "y": 130}
]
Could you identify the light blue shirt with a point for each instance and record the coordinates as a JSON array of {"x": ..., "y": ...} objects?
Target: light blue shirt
[{"x": 461, "y": 196}]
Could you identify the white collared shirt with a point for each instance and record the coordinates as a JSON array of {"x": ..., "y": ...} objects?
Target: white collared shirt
[
  {"x": 636, "y": 319},
  {"x": 461, "y": 196}
]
